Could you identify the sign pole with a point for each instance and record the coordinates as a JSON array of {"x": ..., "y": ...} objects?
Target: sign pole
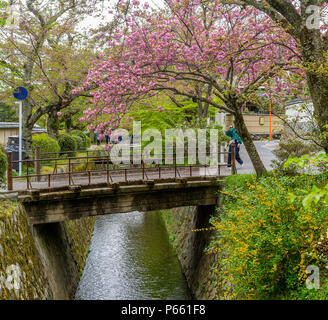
[
  {"x": 20, "y": 94},
  {"x": 20, "y": 135}
]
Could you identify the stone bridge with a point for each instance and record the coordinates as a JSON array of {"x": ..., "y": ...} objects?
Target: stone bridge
[{"x": 73, "y": 202}]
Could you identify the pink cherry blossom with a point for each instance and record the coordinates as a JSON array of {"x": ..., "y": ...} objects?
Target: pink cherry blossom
[{"x": 234, "y": 51}]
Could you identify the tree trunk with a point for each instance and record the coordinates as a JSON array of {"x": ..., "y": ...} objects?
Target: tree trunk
[
  {"x": 52, "y": 125},
  {"x": 319, "y": 92},
  {"x": 249, "y": 144},
  {"x": 68, "y": 126},
  {"x": 313, "y": 55},
  {"x": 27, "y": 128}
]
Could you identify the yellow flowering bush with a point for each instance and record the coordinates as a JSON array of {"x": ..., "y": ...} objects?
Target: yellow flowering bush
[{"x": 265, "y": 240}]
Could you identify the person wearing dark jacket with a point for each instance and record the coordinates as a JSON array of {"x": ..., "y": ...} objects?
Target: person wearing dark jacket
[{"x": 237, "y": 141}]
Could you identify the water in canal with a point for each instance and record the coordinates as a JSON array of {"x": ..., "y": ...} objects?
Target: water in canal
[{"x": 131, "y": 258}]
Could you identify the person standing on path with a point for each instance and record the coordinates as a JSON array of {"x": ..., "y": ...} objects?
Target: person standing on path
[{"x": 237, "y": 141}]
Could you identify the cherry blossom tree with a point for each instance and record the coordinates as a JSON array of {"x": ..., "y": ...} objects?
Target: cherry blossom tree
[
  {"x": 218, "y": 55},
  {"x": 43, "y": 50},
  {"x": 306, "y": 22}
]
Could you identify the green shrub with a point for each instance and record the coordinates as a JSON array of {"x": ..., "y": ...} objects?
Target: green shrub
[
  {"x": 67, "y": 143},
  {"x": 84, "y": 137},
  {"x": 88, "y": 140},
  {"x": 80, "y": 143},
  {"x": 291, "y": 148},
  {"x": 3, "y": 168},
  {"x": 87, "y": 167},
  {"x": 46, "y": 144},
  {"x": 2, "y": 148},
  {"x": 266, "y": 238}
]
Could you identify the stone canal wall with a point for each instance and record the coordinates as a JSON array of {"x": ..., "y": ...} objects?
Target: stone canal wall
[
  {"x": 190, "y": 247},
  {"x": 43, "y": 261}
]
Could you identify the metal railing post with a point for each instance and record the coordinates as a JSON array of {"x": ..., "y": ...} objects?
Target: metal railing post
[
  {"x": 38, "y": 163},
  {"x": 175, "y": 166},
  {"x": 107, "y": 169},
  {"x": 69, "y": 171},
  {"x": 87, "y": 168},
  {"x": 233, "y": 159},
  {"x": 27, "y": 177}
]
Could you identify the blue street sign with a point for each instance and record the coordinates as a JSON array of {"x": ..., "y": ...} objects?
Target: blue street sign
[{"x": 20, "y": 93}]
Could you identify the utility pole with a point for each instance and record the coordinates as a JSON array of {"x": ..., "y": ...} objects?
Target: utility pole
[{"x": 20, "y": 94}]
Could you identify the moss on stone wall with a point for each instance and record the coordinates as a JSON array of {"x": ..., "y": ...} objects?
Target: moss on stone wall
[
  {"x": 190, "y": 247},
  {"x": 80, "y": 245},
  {"x": 178, "y": 223},
  {"x": 22, "y": 271}
]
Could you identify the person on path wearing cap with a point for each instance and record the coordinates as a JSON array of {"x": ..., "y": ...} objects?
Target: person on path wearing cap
[{"x": 238, "y": 142}]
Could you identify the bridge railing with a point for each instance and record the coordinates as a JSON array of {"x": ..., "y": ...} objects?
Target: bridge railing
[{"x": 100, "y": 165}]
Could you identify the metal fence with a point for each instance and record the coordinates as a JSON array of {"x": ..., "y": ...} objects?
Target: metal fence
[{"x": 100, "y": 165}]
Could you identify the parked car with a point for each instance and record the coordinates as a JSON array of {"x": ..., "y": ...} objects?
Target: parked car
[{"x": 13, "y": 146}]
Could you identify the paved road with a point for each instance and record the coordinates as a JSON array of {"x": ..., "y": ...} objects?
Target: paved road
[{"x": 264, "y": 149}]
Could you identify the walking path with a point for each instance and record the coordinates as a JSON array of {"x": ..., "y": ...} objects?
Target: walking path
[{"x": 264, "y": 149}]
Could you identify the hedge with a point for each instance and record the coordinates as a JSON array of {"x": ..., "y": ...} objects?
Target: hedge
[
  {"x": 86, "y": 139},
  {"x": 67, "y": 143},
  {"x": 80, "y": 143},
  {"x": 46, "y": 144},
  {"x": 88, "y": 142}
]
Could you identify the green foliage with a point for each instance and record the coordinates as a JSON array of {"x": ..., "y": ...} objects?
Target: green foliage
[
  {"x": 3, "y": 168},
  {"x": 7, "y": 113},
  {"x": 3, "y": 17},
  {"x": 234, "y": 182},
  {"x": 80, "y": 143},
  {"x": 24, "y": 171},
  {"x": 86, "y": 142},
  {"x": 67, "y": 143},
  {"x": 306, "y": 160},
  {"x": 151, "y": 119},
  {"x": 173, "y": 117},
  {"x": 291, "y": 148},
  {"x": 304, "y": 293},
  {"x": 265, "y": 240},
  {"x": 2, "y": 148},
  {"x": 316, "y": 194},
  {"x": 46, "y": 144}
]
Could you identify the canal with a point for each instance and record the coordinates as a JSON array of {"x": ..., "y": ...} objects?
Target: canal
[{"x": 131, "y": 259}]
